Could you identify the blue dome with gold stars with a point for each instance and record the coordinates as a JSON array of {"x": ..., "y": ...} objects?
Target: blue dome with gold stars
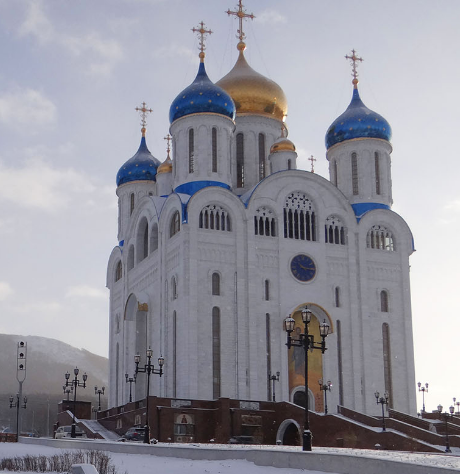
[
  {"x": 202, "y": 96},
  {"x": 141, "y": 167},
  {"x": 357, "y": 122}
]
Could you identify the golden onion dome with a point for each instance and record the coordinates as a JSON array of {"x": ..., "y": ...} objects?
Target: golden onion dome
[
  {"x": 252, "y": 92},
  {"x": 165, "y": 167},
  {"x": 282, "y": 144}
]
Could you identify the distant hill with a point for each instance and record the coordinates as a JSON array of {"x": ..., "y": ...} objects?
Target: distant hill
[{"x": 47, "y": 362}]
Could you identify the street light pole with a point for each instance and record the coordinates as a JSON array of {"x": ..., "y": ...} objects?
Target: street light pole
[
  {"x": 447, "y": 416},
  {"x": 99, "y": 392},
  {"x": 382, "y": 401},
  {"x": 16, "y": 405},
  {"x": 148, "y": 369},
  {"x": 130, "y": 380},
  {"x": 274, "y": 378},
  {"x": 325, "y": 387},
  {"x": 74, "y": 384},
  {"x": 306, "y": 341},
  {"x": 423, "y": 390}
]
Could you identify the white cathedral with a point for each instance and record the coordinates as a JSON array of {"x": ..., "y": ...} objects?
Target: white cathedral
[{"x": 224, "y": 240}]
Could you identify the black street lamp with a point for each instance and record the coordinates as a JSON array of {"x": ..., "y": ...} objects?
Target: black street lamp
[
  {"x": 148, "y": 369},
  {"x": 99, "y": 392},
  {"x": 325, "y": 387},
  {"x": 382, "y": 401},
  {"x": 130, "y": 380},
  {"x": 67, "y": 391},
  {"x": 16, "y": 404},
  {"x": 308, "y": 343},
  {"x": 423, "y": 390},
  {"x": 447, "y": 416},
  {"x": 458, "y": 406},
  {"x": 74, "y": 384},
  {"x": 274, "y": 378}
]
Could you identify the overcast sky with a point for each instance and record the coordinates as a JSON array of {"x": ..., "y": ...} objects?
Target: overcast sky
[{"x": 72, "y": 72}]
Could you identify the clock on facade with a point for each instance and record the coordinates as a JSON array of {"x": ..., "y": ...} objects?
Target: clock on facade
[{"x": 303, "y": 267}]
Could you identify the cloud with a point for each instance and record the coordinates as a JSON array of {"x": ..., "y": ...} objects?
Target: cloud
[
  {"x": 176, "y": 50},
  {"x": 271, "y": 16},
  {"x": 86, "y": 291},
  {"x": 100, "y": 55},
  {"x": 26, "y": 107},
  {"x": 5, "y": 290},
  {"x": 47, "y": 188},
  {"x": 453, "y": 206}
]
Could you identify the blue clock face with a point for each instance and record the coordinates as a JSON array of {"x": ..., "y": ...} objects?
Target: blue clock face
[{"x": 303, "y": 267}]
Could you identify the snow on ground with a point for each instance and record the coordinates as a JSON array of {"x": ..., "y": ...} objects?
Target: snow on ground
[{"x": 147, "y": 464}]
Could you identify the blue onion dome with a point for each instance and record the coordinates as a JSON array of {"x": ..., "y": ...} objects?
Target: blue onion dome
[
  {"x": 202, "y": 96},
  {"x": 141, "y": 167},
  {"x": 357, "y": 122}
]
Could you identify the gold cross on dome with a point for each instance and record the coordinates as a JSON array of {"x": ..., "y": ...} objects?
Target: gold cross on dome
[
  {"x": 241, "y": 14},
  {"x": 168, "y": 138},
  {"x": 312, "y": 163},
  {"x": 354, "y": 73},
  {"x": 143, "y": 111},
  {"x": 201, "y": 32}
]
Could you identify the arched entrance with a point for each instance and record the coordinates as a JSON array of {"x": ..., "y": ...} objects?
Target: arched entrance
[
  {"x": 289, "y": 433},
  {"x": 296, "y": 360}
]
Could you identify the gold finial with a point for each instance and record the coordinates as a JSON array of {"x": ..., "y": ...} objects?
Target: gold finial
[
  {"x": 354, "y": 73},
  {"x": 201, "y": 32},
  {"x": 143, "y": 111},
  {"x": 312, "y": 163},
  {"x": 241, "y": 14},
  {"x": 168, "y": 138}
]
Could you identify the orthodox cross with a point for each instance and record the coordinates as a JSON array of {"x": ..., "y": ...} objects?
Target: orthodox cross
[
  {"x": 201, "y": 32},
  {"x": 354, "y": 73},
  {"x": 241, "y": 15},
  {"x": 312, "y": 163},
  {"x": 168, "y": 138},
  {"x": 143, "y": 111}
]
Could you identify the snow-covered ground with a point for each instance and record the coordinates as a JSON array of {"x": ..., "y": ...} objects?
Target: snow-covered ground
[{"x": 148, "y": 464}]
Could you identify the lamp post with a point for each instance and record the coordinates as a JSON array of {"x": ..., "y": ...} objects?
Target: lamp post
[
  {"x": 382, "y": 401},
  {"x": 130, "y": 380},
  {"x": 458, "y": 407},
  {"x": 148, "y": 369},
  {"x": 274, "y": 378},
  {"x": 423, "y": 390},
  {"x": 447, "y": 416},
  {"x": 74, "y": 384},
  {"x": 99, "y": 392},
  {"x": 16, "y": 404},
  {"x": 325, "y": 387},
  {"x": 67, "y": 391},
  {"x": 308, "y": 343}
]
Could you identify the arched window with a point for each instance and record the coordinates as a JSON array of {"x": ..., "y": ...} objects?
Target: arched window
[
  {"x": 264, "y": 222},
  {"x": 261, "y": 156},
  {"x": 174, "y": 227},
  {"x": 388, "y": 378},
  {"x": 377, "y": 173},
  {"x": 354, "y": 173},
  {"x": 215, "y": 284},
  {"x": 334, "y": 231},
  {"x": 214, "y": 150},
  {"x": 289, "y": 164},
  {"x": 334, "y": 173},
  {"x": 131, "y": 258},
  {"x": 381, "y": 238},
  {"x": 216, "y": 352},
  {"x": 299, "y": 217},
  {"x": 142, "y": 240},
  {"x": 191, "y": 151},
  {"x": 384, "y": 301},
  {"x": 267, "y": 290},
  {"x": 131, "y": 203},
  {"x": 240, "y": 160},
  {"x": 154, "y": 238},
  {"x": 118, "y": 271},
  {"x": 174, "y": 334},
  {"x": 174, "y": 288},
  {"x": 337, "y": 297},
  {"x": 214, "y": 217}
]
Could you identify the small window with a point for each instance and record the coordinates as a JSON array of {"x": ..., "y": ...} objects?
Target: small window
[
  {"x": 264, "y": 222},
  {"x": 267, "y": 290},
  {"x": 334, "y": 172},
  {"x": 191, "y": 151},
  {"x": 214, "y": 217},
  {"x": 377, "y": 173},
  {"x": 214, "y": 150},
  {"x": 174, "y": 227},
  {"x": 154, "y": 238},
  {"x": 131, "y": 258},
  {"x": 381, "y": 238},
  {"x": 118, "y": 271},
  {"x": 216, "y": 284},
  {"x": 240, "y": 160},
  {"x": 384, "y": 301},
  {"x": 174, "y": 288},
  {"x": 334, "y": 231},
  {"x": 261, "y": 156},
  {"x": 131, "y": 203},
  {"x": 354, "y": 173},
  {"x": 337, "y": 297}
]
